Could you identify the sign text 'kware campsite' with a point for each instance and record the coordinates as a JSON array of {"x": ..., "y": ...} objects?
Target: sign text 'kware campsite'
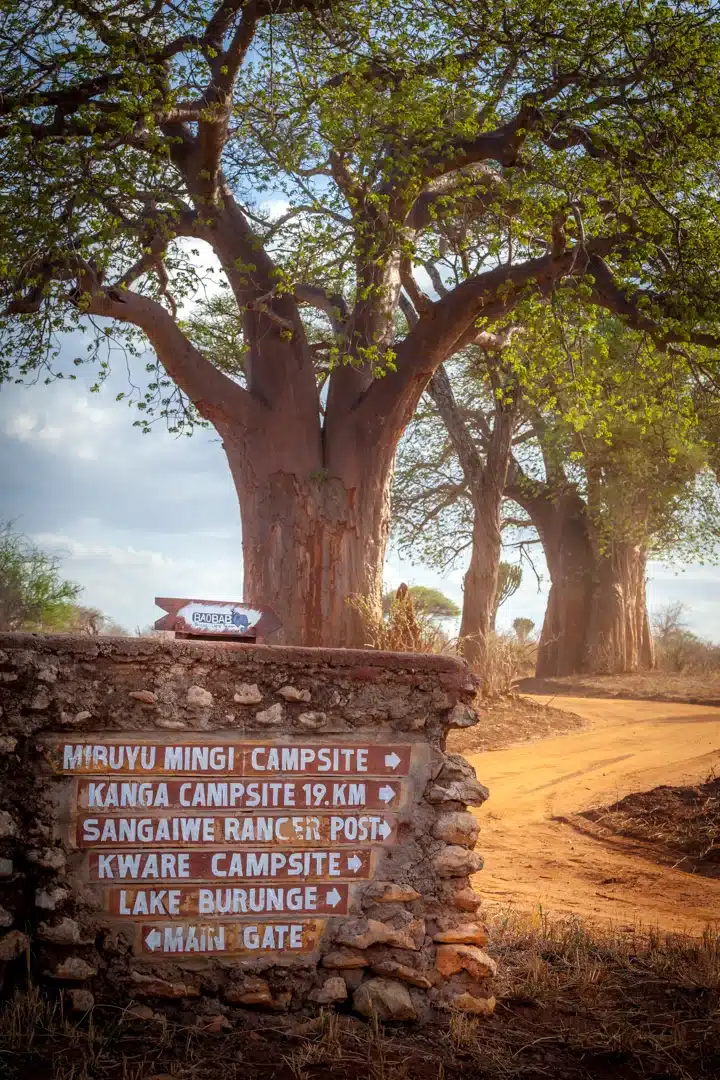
[{"x": 215, "y": 618}]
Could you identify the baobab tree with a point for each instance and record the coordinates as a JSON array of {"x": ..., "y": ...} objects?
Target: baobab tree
[
  {"x": 577, "y": 142},
  {"x": 607, "y": 461}
]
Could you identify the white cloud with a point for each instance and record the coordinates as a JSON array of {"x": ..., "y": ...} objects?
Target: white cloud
[
  {"x": 21, "y": 426},
  {"x": 76, "y": 426},
  {"x": 122, "y": 579},
  {"x": 70, "y": 548}
]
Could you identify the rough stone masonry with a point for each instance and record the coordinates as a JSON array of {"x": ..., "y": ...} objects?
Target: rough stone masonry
[{"x": 216, "y": 827}]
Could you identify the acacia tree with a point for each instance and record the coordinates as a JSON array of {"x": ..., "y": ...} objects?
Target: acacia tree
[
  {"x": 33, "y": 594},
  {"x": 426, "y": 599},
  {"x": 572, "y": 141},
  {"x": 523, "y": 628}
]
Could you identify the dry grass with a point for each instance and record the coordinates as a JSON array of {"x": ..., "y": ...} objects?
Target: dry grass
[
  {"x": 573, "y": 1004},
  {"x": 507, "y": 660},
  {"x": 695, "y": 689},
  {"x": 404, "y": 629}
]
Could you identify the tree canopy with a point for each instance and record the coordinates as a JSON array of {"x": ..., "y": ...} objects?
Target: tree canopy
[
  {"x": 601, "y": 410},
  {"x": 33, "y": 593},
  {"x": 502, "y": 153},
  {"x": 523, "y": 628},
  {"x": 425, "y": 599},
  {"x": 573, "y": 140}
]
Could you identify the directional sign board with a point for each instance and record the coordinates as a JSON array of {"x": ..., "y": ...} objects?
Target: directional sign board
[
  {"x": 215, "y": 618},
  {"x": 199, "y": 795},
  {"x": 223, "y": 938},
  {"x": 222, "y": 846},
  {"x": 228, "y": 865},
  {"x": 226, "y": 760}
]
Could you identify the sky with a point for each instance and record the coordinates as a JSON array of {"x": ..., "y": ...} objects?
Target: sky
[{"x": 135, "y": 516}]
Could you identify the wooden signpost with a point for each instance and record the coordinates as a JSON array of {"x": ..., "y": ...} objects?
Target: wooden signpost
[
  {"x": 228, "y": 619},
  {"x": 222, "y": 846}
]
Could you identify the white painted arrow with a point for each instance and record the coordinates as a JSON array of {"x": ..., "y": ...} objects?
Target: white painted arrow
[
  {"x": 354, "y": 864},
  {"x": 333, "y": 898},
  {"x": 387, "y": 794},
  {"x": 153, "y": 940},
  {"x": 384, "y": 830},
  {"x": 392, "y": 760}
]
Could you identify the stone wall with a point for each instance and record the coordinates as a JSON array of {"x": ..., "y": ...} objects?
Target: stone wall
[{"x": 408, "y": 939}]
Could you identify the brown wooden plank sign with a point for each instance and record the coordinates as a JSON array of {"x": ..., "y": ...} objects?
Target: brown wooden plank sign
[
  {"x": 215, "y": 618},
  {"x": 186, "y": 832}
]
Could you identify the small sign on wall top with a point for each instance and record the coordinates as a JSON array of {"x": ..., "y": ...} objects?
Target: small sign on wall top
[{"x": 215, "y": 618}]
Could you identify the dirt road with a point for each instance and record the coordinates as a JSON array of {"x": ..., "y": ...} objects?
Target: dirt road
[{"x": 531, "y": 858}]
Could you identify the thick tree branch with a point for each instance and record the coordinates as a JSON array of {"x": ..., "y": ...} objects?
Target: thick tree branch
[
  {"x": 471, "y": 190},
  {"x": 487, "y": 295},
  {"x": 421, "y": 302},
  {"x": 433, "y": 273},
  {"x": 450, "y": 323},
  {"x": 633, "y": 307},
  {"x": 333, "y": 304},
  {"x": 215, "y": 396},
  {"x": 411, "y": 315},
  {"x": 502, "y": 145},
  {"x": 213, "y": 126},
  {"x": 471, "y": 463}
]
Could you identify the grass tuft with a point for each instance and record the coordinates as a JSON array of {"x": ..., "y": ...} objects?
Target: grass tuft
[{"x": 574, "y": 1003}]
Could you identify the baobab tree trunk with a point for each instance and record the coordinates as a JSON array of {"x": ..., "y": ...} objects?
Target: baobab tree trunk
[
  {"x": 312, "y": 537},
  {"x": 563, "y": 528},
  {"x": 481, "y": 581},
  {"x": 619, "y": 637},
  {"x": 596, "y": 620}
]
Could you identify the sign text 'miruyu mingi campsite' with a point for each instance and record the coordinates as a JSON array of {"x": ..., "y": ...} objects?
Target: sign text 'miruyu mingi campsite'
[{"x": 270, "y": 835}]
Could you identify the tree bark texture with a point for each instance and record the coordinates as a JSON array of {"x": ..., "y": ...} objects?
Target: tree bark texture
[
  {"x": 311, "y": 541},
  {"x": 596, "y": 620},
  {"x": 563, "y": 529},
  {"x": 480, "y": 583},
  {"x": 618, "y": 636},
  {"x": 315, "y": 519}
]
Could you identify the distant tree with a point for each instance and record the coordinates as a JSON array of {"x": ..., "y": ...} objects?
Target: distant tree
[
  {"x": 93, "y": 623},
  {"x": 678, "y": 648},
  {"x": 604, "y": 454},
  {"x": 404, "y": 627},
  {"x": 450, "y": 482},
  {"x": 425, "y": 599},
  {"x": 509, "y": 580},
  {"x": 523, "y": 628},
  {"x": 33, "y": 594},
  {"x": 669, "y": 620}
]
